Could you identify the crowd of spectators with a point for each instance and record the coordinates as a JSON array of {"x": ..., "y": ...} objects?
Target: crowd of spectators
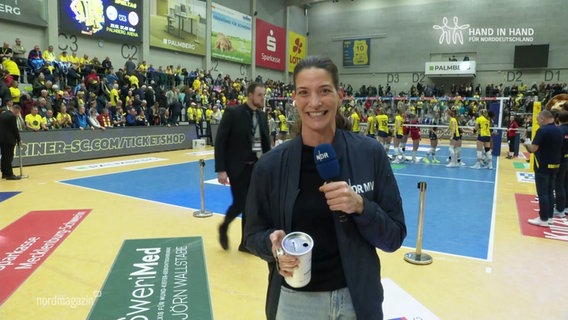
[{"x": 72, "y": 91}]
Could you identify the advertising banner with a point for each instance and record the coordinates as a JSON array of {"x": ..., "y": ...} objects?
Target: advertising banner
[
  {"x": 231, "y": 35},
  {"x": 356, "y": 52},
  {"x": 115, "y": 20},
  {"x": 297, "y": 49},
  {"x": 450, "y": 68},
  {"x": 156, "y": 279},
  {"x": 28, "y": 12},
  {"x": 28, "y": 242},
  {"x": 70, "y": 145},
  {"x": 179, "y": 25},
  {"x": 270, "y": 46}
]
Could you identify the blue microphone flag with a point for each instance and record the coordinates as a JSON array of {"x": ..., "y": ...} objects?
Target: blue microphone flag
[{"x": 326, "y": 161}]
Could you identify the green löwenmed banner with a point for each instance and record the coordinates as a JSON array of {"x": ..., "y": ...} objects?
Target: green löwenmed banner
[{"x": 153, "y": 279}]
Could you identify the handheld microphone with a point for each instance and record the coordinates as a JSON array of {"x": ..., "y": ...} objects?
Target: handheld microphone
[
  {"x": 327, "y": 166},
  {"x": 326, "y": 162}
]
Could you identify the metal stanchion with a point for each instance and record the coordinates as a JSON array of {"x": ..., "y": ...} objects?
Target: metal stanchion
[
  {"x": 418, "y": 257},
  {"x": 202, "y": 213},
  {"x": 22, "y": 175}
]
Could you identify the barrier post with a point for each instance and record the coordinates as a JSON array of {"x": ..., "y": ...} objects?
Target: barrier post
[
  {"x": 22, "y": 175},
  {"x": 202, "y": 213},
  {"x": 418, "y": 257}
]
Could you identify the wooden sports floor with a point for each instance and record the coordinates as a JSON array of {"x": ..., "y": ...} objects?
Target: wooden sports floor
[{"x": 524, "y": 278}]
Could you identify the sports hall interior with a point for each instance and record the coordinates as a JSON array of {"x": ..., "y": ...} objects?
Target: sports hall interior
[{"x": 487, "y": 262}]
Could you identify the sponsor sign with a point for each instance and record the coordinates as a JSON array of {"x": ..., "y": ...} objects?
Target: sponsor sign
[
  {"x": 231, "y": 34},
  {"x": 527, "y": 177},
  {"x": 521, "y": 165},
  {"x": 450, "y": 31},
  {"x": 71, "y": 145},
  {"x": 297, "y": 49},
  {"x": 104, "y": 165},
  {"x": 527, "y": 208},
  {"x": 270, "y": 46},
  {"x": 28, "y": 242},
  {"x": 179, "y": 26},
  {"x": 450, "y": 68},
  {"x": 156, "y": 279},
  {"x": 356, "y": 52},
  {"x": 118, "y": 20},
  {"x": 28, "y": 12}
]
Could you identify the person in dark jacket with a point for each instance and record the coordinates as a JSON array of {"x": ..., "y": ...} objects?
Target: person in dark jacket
[
  {"x": 9, "y": 138},
  {"x": 347, "y": 218},
  {"x": 242, "y": 137}
]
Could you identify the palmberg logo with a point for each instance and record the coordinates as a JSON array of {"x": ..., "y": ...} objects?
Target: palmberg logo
[{"x": 451, "y": 34}]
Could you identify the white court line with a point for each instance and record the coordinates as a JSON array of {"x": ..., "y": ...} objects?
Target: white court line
[
  {"x": 134, "y": 197},
  {"x": 493, "y": 214},
  {"x": 442, "y": 178}
]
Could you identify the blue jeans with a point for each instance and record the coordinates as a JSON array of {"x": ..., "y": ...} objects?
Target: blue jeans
[
  {"x": 297, "y": 305},
  {"x": 544, "y": 189}
]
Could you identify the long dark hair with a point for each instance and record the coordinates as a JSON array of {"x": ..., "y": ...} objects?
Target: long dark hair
[{"x": 325, "y": 63}]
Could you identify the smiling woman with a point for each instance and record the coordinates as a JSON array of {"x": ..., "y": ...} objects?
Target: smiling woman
[
  {"x": 346, "y": 224},
  {"x": 317, "y": 99}
]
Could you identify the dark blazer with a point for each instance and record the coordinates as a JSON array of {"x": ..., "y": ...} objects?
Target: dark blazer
[
  {"x": 9, "y": 133},
  {"x": 270, "y": 205},
  {"x": 233, "y": 143}
]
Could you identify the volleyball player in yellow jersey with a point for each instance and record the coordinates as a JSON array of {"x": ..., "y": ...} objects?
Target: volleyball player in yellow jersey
[
  {"x": 398, "y": 137},
  {"x": 455, "y": 140},
  {"x": 482, "y": 125},
  {"x": 355, "y": 119},
  {"x": 283, "y": 125},
  {"x": 383, "y": 129},
  {"x": 371, "y": 125}
]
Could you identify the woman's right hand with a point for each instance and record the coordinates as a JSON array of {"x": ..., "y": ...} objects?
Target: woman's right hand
[{"x": 286, "y": 264}]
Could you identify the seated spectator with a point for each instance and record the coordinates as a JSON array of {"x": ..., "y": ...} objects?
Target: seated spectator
[
  {"x": 34, "y": 121},
  {"x": 35, "y": 59},
  {"x": 132, "y": 118},
  {"x": 38, "y": 85},
  {"x": 73, "y": 76},
  {"x": 64, "y": 118},
  {"x": 91, "y": 80},
  {"x": 80, "y": 120},
  {"x": 93, "y": 121},
  {"x": 42, "y": 105},
  {"x": 74, "y": 59},
  {"x": 15, "y": 92},
  {"x": 85, "y": 64},
  {"x": 119, "y": 120},
  {"x": 49, "y": 121},
  {"x": 6, "y": 78},
  {"x": 6, "y": 51},
  {"x": 104, "y": 118},
  {"x": 65, "y": 62}
]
